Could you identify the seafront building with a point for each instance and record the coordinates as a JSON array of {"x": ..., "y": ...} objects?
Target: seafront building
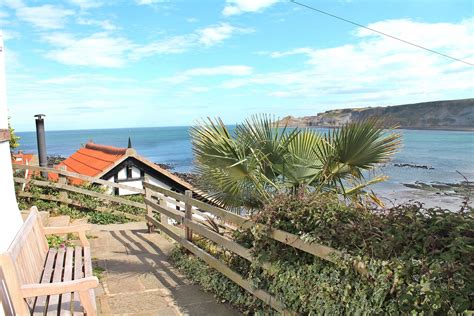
[{"x": 119, "y": 165}]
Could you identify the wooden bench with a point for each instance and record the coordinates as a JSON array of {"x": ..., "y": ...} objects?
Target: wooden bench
[{"x": 41, "y": 280}]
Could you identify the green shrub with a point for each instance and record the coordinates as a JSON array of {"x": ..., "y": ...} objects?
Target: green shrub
[
  {"x": 418, "y": 261},
  {"x": 211, "y": 280},
  {"x": 89, "y": 205},
  {"x": 55, "y": 241},
  {"x": 128, "y": 208}
]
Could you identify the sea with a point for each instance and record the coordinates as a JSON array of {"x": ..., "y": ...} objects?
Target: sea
[{"x": 447, "y": 157}]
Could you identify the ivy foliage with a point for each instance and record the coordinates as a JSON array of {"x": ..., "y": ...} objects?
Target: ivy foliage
[{"x": 418, "y": 261}]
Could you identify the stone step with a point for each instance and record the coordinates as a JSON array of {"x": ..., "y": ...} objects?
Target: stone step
[
  {"x": 79, "y": 221},
  {"x": 43, "y": 215},
  {"x": 62, "y": 220}
]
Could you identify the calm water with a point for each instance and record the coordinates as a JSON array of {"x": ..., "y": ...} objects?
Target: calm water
[{"x": 445, "y": 151}]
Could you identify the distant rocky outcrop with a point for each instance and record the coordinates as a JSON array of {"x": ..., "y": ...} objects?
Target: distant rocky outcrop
[{"x": 450, "y": 114}]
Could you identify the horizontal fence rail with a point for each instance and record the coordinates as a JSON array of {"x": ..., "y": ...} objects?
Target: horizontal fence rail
[
  {"x": 63, "y": 197},
  {"x": 76, "y": 203},
  {"x": 79, "y": 176},
  {"x": 189, "y": 226},
  {"x": 316, "y": 249}
]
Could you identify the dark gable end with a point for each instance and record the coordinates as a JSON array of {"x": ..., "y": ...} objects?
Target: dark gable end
[{"x": 132, "y": 161}]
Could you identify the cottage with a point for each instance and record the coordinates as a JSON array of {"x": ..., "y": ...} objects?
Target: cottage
[{"x": 120, "y": 165}]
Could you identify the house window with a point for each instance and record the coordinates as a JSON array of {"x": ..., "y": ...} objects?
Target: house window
[
  {"x": 129, "y": 172},
  {"x": 116, "y": 190}
]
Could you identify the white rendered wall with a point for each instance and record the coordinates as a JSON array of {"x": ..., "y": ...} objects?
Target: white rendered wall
[
  {"x": 135, "y": 172},
  {"x": 10, "y": 218},
  {"x": 122, "y": 174},
  {"x": 135, "y": 184},
  {"x": 138, "y": 184}
]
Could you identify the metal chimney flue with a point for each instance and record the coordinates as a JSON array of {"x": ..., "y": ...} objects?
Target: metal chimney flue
[{"x": 41, "y": 141}]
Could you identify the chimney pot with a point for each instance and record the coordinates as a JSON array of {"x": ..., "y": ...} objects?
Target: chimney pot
[{"x": 41, "y": 141}]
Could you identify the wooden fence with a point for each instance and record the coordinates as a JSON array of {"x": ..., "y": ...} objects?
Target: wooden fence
[
  {"x": 155, "y": 199},
  {"x": 64, "y": 187}
]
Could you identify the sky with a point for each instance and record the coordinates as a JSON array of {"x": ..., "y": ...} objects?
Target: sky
[{"x": 113, "y": 63}]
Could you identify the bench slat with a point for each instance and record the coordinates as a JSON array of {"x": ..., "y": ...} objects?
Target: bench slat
[
  {"x": 87, "y": 262},
  {"x": 78, "y": 274},
  {"x": 53, "y": 303},
  {"x": 88, "y": 269},
  {"x": 68, "y": 272},
  {"x": 40, "y": 305}
]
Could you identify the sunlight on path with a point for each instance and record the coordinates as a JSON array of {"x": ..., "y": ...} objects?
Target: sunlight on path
[{"x": 139, "y": 280}]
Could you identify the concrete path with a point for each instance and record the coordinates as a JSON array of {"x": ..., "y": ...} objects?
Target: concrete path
[{"x": 138, "y": 278}]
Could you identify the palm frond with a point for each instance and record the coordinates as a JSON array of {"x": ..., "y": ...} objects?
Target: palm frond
[{"x": 260, "y": 158}]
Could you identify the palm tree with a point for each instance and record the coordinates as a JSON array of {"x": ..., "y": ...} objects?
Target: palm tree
[{"x": 260, "y": 158}]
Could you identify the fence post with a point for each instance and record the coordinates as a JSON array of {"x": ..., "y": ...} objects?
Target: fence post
[
  {"x": 62, "y": 180},
  {"x": 149, "y": 210},
  {"x": 188, "y": 214},
  {"x": 163, "y": 218}
]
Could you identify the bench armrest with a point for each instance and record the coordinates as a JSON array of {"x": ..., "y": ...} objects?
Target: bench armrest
[
  {"x": 48, "y": 230},
  {"x": 33, "y": 290},
  {"x": 79, "y": 229}
]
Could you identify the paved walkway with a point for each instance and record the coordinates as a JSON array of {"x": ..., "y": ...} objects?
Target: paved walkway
[{"x": 138, "y": 278}]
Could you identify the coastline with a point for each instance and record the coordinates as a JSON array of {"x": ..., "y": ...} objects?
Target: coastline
[
  {"x": 426, "y": 156},
  {"x": 432, "y": 195},
  {"x": 413, "y": 128}
]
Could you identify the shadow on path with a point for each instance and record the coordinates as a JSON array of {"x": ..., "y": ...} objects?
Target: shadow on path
[{"x": 139, "y": 279}]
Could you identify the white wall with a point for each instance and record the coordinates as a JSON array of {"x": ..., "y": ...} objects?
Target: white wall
[
  {"x": 10, "y": 218},
  {"x": 135, "y": 184},
  {"x": 122, "y": 174},
  {"x": 135, "y": 172},
  {"x": 138, "y": 184}
]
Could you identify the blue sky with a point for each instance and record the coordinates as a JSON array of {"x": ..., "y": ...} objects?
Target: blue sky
[{"x": 99, "y": 63}]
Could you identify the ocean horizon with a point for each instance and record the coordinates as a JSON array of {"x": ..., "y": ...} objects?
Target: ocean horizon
[{"x": 445, "y": 154}]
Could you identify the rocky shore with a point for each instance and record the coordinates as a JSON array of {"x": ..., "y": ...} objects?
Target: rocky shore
[
  {"x": 433, "y": 194},
  {"x": 461, "y": 189}
]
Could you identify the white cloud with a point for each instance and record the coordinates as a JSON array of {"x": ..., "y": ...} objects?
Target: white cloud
[
  {"x": 104, "y": 24},
  {"x": 87, "y": 4},
  {"x": 172, "y": 45},
  {"x": 13, "y": 4},
  {"x": 192, "y": 20},
  {"x": 46, "y": 16},
  {"x": 8, "y": 35},
  {"x": 106, "y": 50},
  {"x": 296, "y": 51},
  {"x": 235, "y": 7},
  {"x": 376, "y": 69},
  {"x": 208, "y": 36},
  {"x": 224, "y": 70},
  {"x": 4, "y": 18},
  {"x": 82, "y": 78},
  {"x": 216, "y": 34},
  {"x": 149, "y": 2},
  {"x": 97, "y": 50}
]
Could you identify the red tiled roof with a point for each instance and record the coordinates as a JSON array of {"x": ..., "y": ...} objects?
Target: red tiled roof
[
  {"x": 91, "y": 160},
  {"x": 25, "y": 159},
  {"x": 22, "y": 159}
]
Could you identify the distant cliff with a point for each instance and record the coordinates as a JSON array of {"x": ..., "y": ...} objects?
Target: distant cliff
[{"x": 451, "y": 115}]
